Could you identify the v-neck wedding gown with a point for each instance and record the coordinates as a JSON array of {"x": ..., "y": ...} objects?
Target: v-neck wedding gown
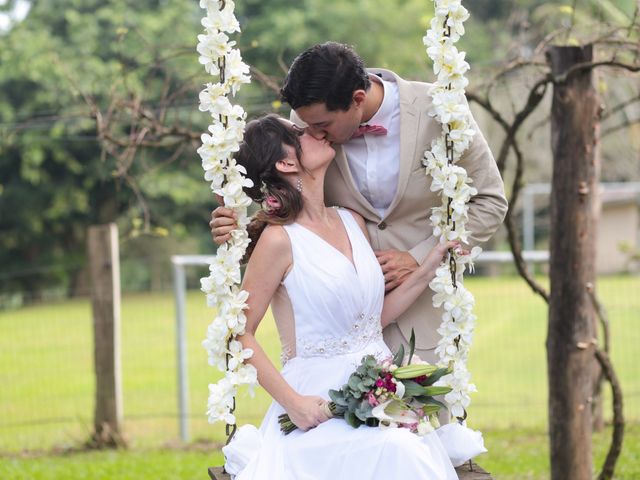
[{"x": 334, "y": 321}]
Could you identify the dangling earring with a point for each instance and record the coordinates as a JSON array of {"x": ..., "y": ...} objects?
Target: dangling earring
[{"x": 299, "y": 185}]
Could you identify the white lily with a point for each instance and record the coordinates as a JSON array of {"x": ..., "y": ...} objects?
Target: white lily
[{"x": 394, "y": 412}]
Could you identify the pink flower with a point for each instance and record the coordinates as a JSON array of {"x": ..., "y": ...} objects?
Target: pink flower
[
  {"x": 420, "y": 379},
  {"x": 273, "y": 204},
  {"x": 371, "y": 398},
  {"x": 389, "y": 384},
  {"x": 411, "y": 426}
]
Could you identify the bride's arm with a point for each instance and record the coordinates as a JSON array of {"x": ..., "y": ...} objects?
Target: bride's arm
[
  {"x": 269, "y": 263},
  {"x": 401, "y": 297}
]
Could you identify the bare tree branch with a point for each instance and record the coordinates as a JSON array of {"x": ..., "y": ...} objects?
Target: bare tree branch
[
  {"x": 266, "y": 80},
  {"x": 591, "y": 65},
  {"x": 621, "y": 106},
  {"x": 283, "y": 66},
  {"x": 534, "y": 98},
  {"x": 534, "y": 128},
  {"x": 621, "y": 126},
  {"x": 514, "y": 240},
  {"x": 617, "y": 435}
]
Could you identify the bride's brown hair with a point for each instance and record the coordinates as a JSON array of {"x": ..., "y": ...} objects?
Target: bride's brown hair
[{"x": 261, "y": 149}]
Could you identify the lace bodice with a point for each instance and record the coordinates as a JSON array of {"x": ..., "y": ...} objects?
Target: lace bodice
[{"x": 326, "y": 305}]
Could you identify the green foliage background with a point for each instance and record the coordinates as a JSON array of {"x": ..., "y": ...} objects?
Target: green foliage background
[{"x": 54, "y": 180}]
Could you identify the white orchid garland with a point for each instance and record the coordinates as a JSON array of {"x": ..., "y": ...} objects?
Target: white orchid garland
[
  {"x": 449, "y": 220},
  {"x": 450, "y": 108},
  {"x": 222, "y": 286}
]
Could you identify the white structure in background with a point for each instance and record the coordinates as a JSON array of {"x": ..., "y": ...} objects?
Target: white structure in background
[{"x": 618, "y": 228}]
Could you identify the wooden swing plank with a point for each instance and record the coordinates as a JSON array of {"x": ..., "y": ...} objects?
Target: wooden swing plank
[{"x": 468, "y": 471}]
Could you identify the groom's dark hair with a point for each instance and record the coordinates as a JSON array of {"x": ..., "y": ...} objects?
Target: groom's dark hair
[{"x": 327, "y": 73}]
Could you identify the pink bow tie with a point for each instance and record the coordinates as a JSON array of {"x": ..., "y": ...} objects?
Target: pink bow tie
[{"x": 369, "y": 130}]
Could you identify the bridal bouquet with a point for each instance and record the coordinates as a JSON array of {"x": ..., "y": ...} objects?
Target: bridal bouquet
[{"x": 388, "y": 394}]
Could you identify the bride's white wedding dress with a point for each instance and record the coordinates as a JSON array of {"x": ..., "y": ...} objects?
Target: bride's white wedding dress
[{"x": 327, "y": 311}]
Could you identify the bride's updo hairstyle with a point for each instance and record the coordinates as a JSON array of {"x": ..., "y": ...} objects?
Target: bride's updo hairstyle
[{"x": 260, "y": 150}]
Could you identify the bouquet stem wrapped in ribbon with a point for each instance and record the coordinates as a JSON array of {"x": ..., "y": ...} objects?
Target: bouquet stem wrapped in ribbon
[{"x": 388, "y": 394}]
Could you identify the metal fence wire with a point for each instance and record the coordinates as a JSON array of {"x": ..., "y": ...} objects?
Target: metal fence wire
[{"x": 47, "y": 381}]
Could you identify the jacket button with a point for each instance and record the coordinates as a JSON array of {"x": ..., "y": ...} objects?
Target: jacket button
[{"x": 382, "y": 225}]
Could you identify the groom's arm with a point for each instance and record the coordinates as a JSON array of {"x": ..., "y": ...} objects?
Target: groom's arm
[{"x": 488, "y": 207}]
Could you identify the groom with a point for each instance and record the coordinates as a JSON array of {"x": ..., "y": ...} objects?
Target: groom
[{"x": 380, "y": 128}]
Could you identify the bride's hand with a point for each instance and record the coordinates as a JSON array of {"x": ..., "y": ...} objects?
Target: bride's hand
[
  {"x": 308, "y": 412},
  {"x": 437, "y": 255}
]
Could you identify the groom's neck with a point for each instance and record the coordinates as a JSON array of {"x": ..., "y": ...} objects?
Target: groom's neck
[{"x": 372, "y": 102}]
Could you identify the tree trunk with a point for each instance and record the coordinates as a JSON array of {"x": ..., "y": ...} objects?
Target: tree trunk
[
  {"x": 104, "y": 264},
  {"x": 571, "y": 334}
]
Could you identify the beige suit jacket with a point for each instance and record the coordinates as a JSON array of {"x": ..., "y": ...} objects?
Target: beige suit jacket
[{"x": 405, "y": 225}]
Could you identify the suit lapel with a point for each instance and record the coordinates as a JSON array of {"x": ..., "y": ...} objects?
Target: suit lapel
[
  {"x": 409, "y": 128},
  {"x": 343, "y": 166}
]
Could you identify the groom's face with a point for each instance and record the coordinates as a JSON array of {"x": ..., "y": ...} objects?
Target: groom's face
[{"x": 336, "y": 126}]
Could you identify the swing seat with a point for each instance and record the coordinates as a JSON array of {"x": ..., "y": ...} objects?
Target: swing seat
[{"x": 468, "y": 471}]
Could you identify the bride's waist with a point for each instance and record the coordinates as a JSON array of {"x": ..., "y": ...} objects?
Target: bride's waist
[
  {"x": 316, "y": 375},
  {"x": 329, "y": 341},
  {"x": 324, "y": 352}
]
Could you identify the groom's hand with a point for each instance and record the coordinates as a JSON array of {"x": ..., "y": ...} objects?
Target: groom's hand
[
  {"x": 396, "y": 265},
  {"x": 223, "y": 222}
]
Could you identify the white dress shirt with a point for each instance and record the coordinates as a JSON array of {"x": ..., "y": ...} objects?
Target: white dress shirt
[{"x": 374, "y": 160}]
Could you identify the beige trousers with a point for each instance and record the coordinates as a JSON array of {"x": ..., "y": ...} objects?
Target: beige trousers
[{"x": 393, "y": 337}]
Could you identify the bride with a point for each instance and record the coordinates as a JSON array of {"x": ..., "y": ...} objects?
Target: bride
[{"x": 315, "y": 266}]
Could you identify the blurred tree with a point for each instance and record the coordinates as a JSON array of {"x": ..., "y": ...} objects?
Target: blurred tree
[
  {"x": 489, "y": 9},
  {"x": 54, "y": 180},
  {"x": 131, "y": 68},
  {"x": 585, "y": 17},
  {"x": 385, "y": 34}
]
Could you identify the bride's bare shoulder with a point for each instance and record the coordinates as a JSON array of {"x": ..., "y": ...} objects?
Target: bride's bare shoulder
[{"x": 274, "y": 241}]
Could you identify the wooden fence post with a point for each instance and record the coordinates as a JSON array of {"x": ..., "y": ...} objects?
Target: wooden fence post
[
  {"x": 104, "y": 264},
  {"x": 571, "y": 334}
]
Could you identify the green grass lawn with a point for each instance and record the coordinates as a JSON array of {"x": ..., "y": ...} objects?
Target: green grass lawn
[
  {"x": 46, "y": 380},
  {"x": 514, "y": 454}
]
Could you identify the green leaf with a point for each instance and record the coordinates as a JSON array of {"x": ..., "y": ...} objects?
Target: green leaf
[
  {"x": 426, "y": 400},
  {"x": 369, "y": 382},
  {"x": 352, "y": 403},
  {"x": 353, "y": 382},
  {"x": 337, "y": 397},
  {"x": 437, "y": 375},
  {"x": 412, "y": 345},
  {"x": 433, "y": 391},
  {"x": 352, "y": 420},
  {"x": 363, "y": 411},
  {"x": 399, "y": 356},
  {"x": 412, "y": 389},
  {"x": 413, "y": 371},
  {"x": 370, "y": 361},
  {"x": 430, "y": 409}
]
